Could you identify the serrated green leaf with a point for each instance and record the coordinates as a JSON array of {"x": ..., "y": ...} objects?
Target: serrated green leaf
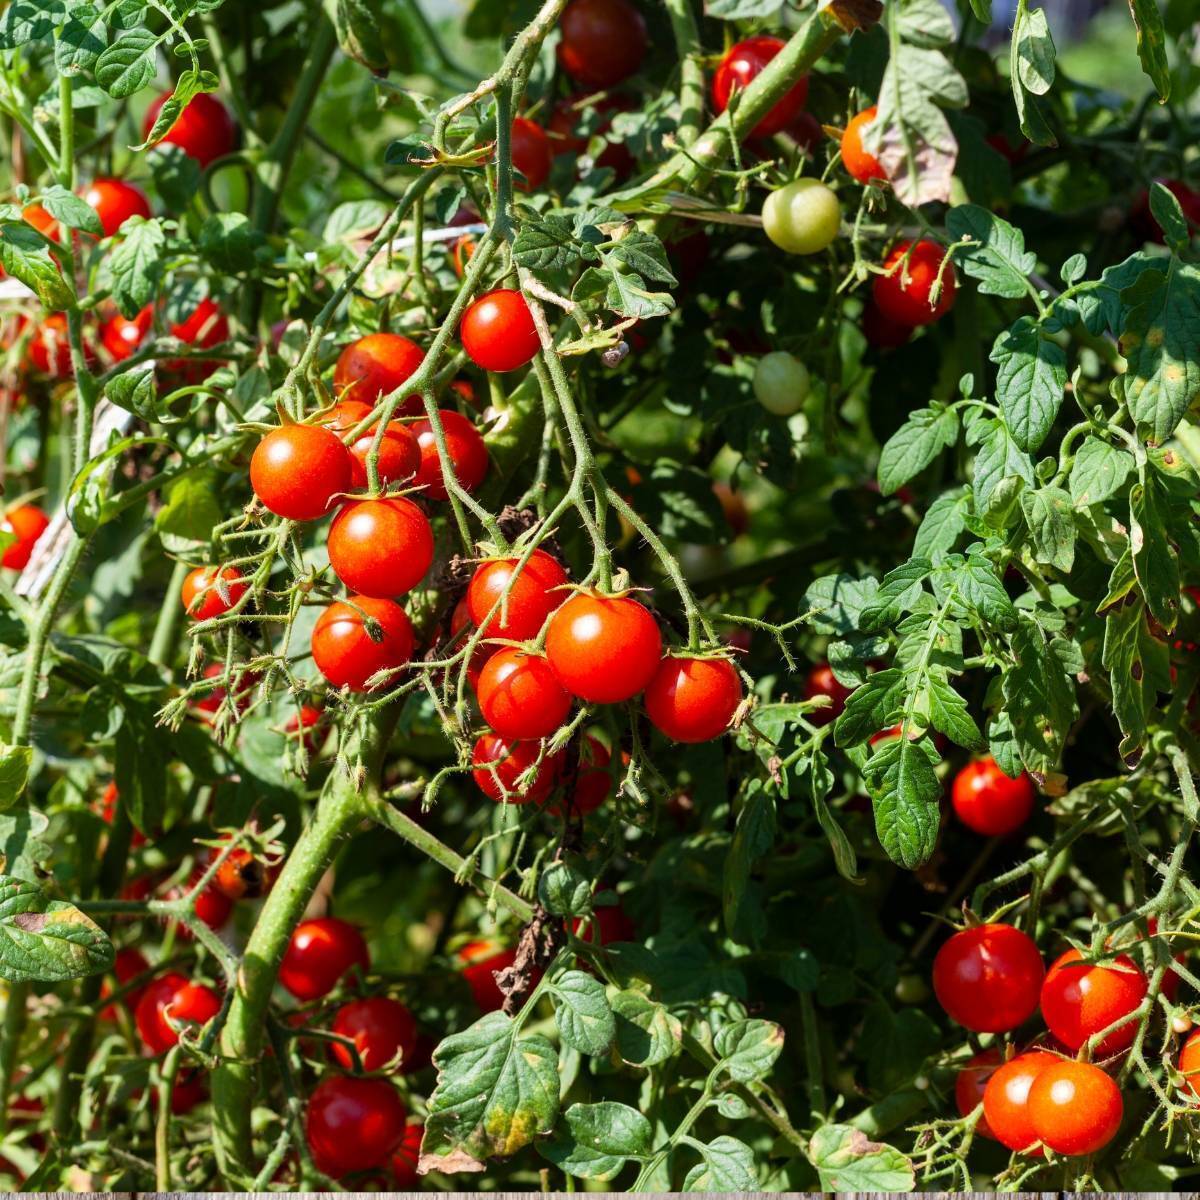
[
  {"x": 981, "y": 590},
  {"x": 1152, "y": 45},
  {"x": 748, "y": 1049},
  {"x": 753, "y": 837},
  {"x": 71, "y": 210},
  {"x": 546, "y": 244},
  {"x": 835, "y": 602},
  {"x": 599, "y": 1140},
  {"x": 1040, "y": 698},
  {"x": 15, "y": 762},
  {"x": 127, "y": 65},
  {"x": 948, "y": 714},
  {"x": 582, "y": 1012},
  {"x": 25, "y": 256},
  {"x": 358, "y": 24},
  {"x": 565, "y": 891},
  {"x": 997, "y": 258},
  {"x": 230, "y": 242},
  {"x": 848, "y": 1161},
  {"x": 1127, "y": 642},
  {"x": 907, "y": 814},
  {"x": 1030, "y": 382},
  {"x": 871, "y": 707},
  {"x": 944, "y": 521},
  {"x": 898, "y": 592},
  {"x": 44, "y": 940},
  {"x": 80, "y": 43},
  {"x": 1098, "y": 472},
  {"x": 192, "y": 508},
  {"x": 913, "y": 446},
  {"x": 137, "y": 264},
  {"x": 1155, "y": 561},
  {"x": 647, "y": 1033},
  {"x": 728, "y": 1166},
  {"x": 1035, "y": 52},
  {"x": 1051, "y": 530},
  {"x": 998, "y": 459}
]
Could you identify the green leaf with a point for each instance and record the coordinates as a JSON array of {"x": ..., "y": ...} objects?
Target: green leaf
[
  {"x": 189, "y": 84},
  {"x": 748, "y": 1049},
  {"x": 230, "y": 242},
  {"x": 47, "y": 941},
  {"x": 728, "y": 1166},
  {"x": 599, "y": 1140},
  {"x": 564, "y": 891},
  {"x": 27, "y": 21},
  {"x": 1098, "y": 472},
  {"x": 679, "y": 501},
  {"x": 22, "y": 845},
  {"x": 998, "y": 460},
  {"x": 80, "y": 43},
  {"x": 642, "y": 253},
  {"x": 176, "y": 175},
  {"x": 141, "y": 773},
  {"x": 358, "y": 24},
  {"x": 1030, "y": 381},
  {"x": 15, "y": 762},
  {"x": 71, "y": 210},
  {"x": 495, "y": 1093},
  {"x": 997, "y": 258},
  {"x": 1167, "y": 211},
  {"x": 948, "y": 714},
  {"x": 836, "y": 602},
  {"x": 907, "y": 814},
  {"x": 913, "y": 446},
  {"x": 546, "y": 244},
  {"x": 137, "y": 264},
  {"x": 134, "y": 390},
  {"x": 647, "y": 1034},
  {"x": 898, "y": 592},
  {"x": 1155, "y": 562},
  {"x": 1152, "y": 45},
  {"x": 753, "y": 838},
  {"x": 871, "y": 707},
  {"x": 848, "y": 1161},
  {"x": 982, "y": 591},
  {"x": 741, "y": 10},
  {"x": 355, "y": 219},
  {"x": 944, "y": 521},
  {"x": 192, "y": 508},
  {"x": 1128, "y": 653},
  {"x": 1040, "y": 698},
  {"x": 1035, "y": 52},
  {"x": 1051, "y": 528},
  {"x": 583, "y": 1015},
  {"x": 25, "y": 256},
  {"x": 127, "y": 65}
]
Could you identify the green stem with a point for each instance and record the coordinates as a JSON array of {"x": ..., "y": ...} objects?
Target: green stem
[
  {"x": 10, "y": 1043},
  {"x": 691, "y": 73},
  {"x": 170, "y": 615},
  {"x": 66, "y": 129},
  {"x": 812, "y": 1055}
]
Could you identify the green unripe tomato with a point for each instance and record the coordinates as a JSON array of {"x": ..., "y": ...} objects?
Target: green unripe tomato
[
  {"x": 802, "y": 217},
  {"x": 781, "y": 383}
]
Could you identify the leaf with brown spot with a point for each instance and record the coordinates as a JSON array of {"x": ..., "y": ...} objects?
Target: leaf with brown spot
[{"x": 44, "y": 940}]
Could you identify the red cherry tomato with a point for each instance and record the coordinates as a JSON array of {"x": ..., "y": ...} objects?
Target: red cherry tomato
[
  {"x": 498, "y": 332},
  {"x": 740, "y": 67},
  {"x": 519, "y": 696},
  {"x": 603, "y": 649},
  {"x": 209, "y": 592},
  {"x": 128, "y": 964},
  {"x": 353, "y": 1124},
  {"x": 988, "y": 977},
  {"x": 204, "y": 129},
  {"x": 908, "y": 303},
  {"x": 608, "y": 923},
  {"x": 306, "y": 723},
  {"x": 1006, "y": 1100},
  {"x": 241, "y": 876},
  {"x": 1075, "y": 1108},
  {"x": 399, "y": 453},
  {"x": 531, "y": 598},
  {"x": 49, "y": 349},
  {"x": 406, "y": 1157},
  {"x": 342, "y": 646},
  {"x": 381, "y": 547},
  {"x": 174, "y": 997},
  {"x": 970, "y": 1084},
  {"x": 297, "y": 471},
  {"x": 187, "y": 1092},
  {"x": 212, "y": 907},
  {"x": 376, "y": 365},
  {"x": 206, "y": 326},
  {"x": 40, "y": 219},
  {"x": 862, "y": 166},
  {"x": 821, "y": 681},
  {"x": 320, "y": 952},
  {"x": 244, "y": 684},
  {"x": 121, "y": 337},
  {"x": 465, "y": 447},
  {"x": 461, "y": 253},
  {"x": 115, "y": 201},
  {"x": 693, "y": 699},
  {"x": 26, "y": 523},
  {"x": 531, "y": 154},
  {"x": 593, "y": 781},
  {"x": 499, "y": 766},
  {"x": 603, "y": 41},
  {"x": 1189, "y": 1062},
  {"x": 988, "y": 801},
  {"x": 882, "y": 332},
  {"x": 383, "y": 1032},
  {"x": 1079, "y": 1000},
  {"x": 563, "y": 130},
  {"x": 481, "y": 961}
]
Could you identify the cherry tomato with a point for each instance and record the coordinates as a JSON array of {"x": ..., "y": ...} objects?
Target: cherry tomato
[
  {"x": 531, "y": 598},
  {"x": 206, "y": 326},
  {"x": 862, "y": 166},
  {"x": 40, "y": 219},
  {"x": 26, "y": 523},
  {"x": 1079, "y": 1000},
  {"x": 882, "y": 332},
  {"x": 821, "y": 681},
  {"x": 740, "y": 67},
  {"x": 241, "y": 876},
  {"x": 128, "y": 963},
  {"x": 1189, "y": 1062},
  {"x": 608, "y": 923},
  {"x": 344, "y": 650},
  {"x": 988, "y": 801},
  {"x": 320, "y": 952},
  {"x": 988, "y": 977},
  {"x": 481, "y": 961},
  {"x": 49, "y": 349},
  {"x": 909, "y": 303},
  {"x": 306, "y": 723},
  {"x": 209, "y": 592},
  {"x": 802, "y": 217},
  {"x": 970, "y": 1084},
  {"x": 1006, "y": 1100},
  {"x": 115, "y": 201},
  {"x": 465, "y": 447},
  {"x": 565, "y": 138},
  {"x": 693, "y": 699},
  {"x": 383, "y": 1032},
  {"x": 381, "y": 547},
  {"x": 531, "y": 154},
  {"x": 781, "y": 383},
  {"x": 499, "y": 766},
  {"x": 244, "y": 683},
  {"x": 1075, "y": 1108},
  {"x": 520, "y": 696},
  {"x": 603, "y": 41},
  {"x": 593, "y": 781},
  {"x": 187, "y": 1092},
  {"x": 461, "y": 253},
  {"x": 174, "y": 997},
  {"x": 399, "y": 453},
  {"x": 406, "y": 1157},
  {"x": 204, "y": 129},
  {"x": 375, "y": 366},
  {"x": 121, "y": 336},
  {"x": 603, "y": 649},
  {"x": 298, "y": 471},
  {"x": 211, "y": 906},
  {"x": 497, "y": 331},
  {"x": 353, "y": 1124}
]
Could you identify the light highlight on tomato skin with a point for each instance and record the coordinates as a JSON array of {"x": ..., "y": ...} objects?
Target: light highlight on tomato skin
[
  {"x": 376, "y": 365},
  {"x": 988, "y": 977},
  {"x": 381, "y": 547},
  {"x": 858, "y": 162},
  {"x": 739, "y": 68},
  {"x": 903, "y": 294},
  {"x": 205, "y": 590},
  {"x": 990, "y": 802},
  {"x": 497, "y": 331},
  {"x": 1075, "y": 1107},
  {"x": 499, "y": 765},
  {"x": 204, "y": 129},
  {"x": 297, "y": 471},
  {"x": 353, "y": 1124},
  {"x": 519, "y": 695},
  {"x": 603, "y": 649},
  {"x": 603, "y": 41},
  {"x": 1006, "y": 1101},
  {"x": 1079, "y": 1000},
  {"x": 693, "y": 699},
  {"x": 345, "y": 653},
  {"x": 321, "y": 950},
  {"x": 531, "y": 598}
]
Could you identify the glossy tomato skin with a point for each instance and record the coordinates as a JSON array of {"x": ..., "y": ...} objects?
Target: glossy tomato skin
[
  {"x": 115, "y": 201},
  {"x": 343, "y": 650},
  {"x": 1189, "y": 1063},
  {"x": 381, "y": 547},
  {"x": 781, "y": 383},
  {"x": 1075, "y": 1107},
  {"x": 1006, "y": 1100},
  {"x": 988, "y": 801},
  {"x": 460, "y": 620},
  {"x": 1079, "y": 1000},
  {"x": 497, "y": 331},
  {"x": 988, "y": 977},
  {"x": 406, "y": 1157},
  {"x": 320, "y": 952},
  {"x": 862, "y": 166},
  {"x": 971, "y": 1082},
  {"x": 353, "y": 1124},
  {"x": 50, "y": 347},
  {"x": 531, "y": 154},
  {"x": 499, "y": 765},
  {"x": 593, "y": 781},
  {"x": 909, "y": 303},
  {"x": 204, "y": 327},
  {"x": 399, "y": 452},
  {"x": 821, "y": 681},
  {"x": 383, "y": 1031},
  {"x": 739, "y": 68},
  {"x": 298, "y": 471},
  {"x": 520, "y": 696},
  {"x": 376, "y": 365},
  {"x": 467, "y": 452},
  {"x": 241, "y": 876},
  {"x": 121, "y": 336},
  {"x": 26, "y": 523},
  {"x": 603, "y": 649},
  {"x": 531, "y": 599},
  {"x": 802, "y": 217},
  {"x": 693, "y": 699},
  {"x": 174, "y": 996},
  {"x": 205, "y": 130},
  {"x": 603, "y": 41},
  {"x": 128, "y": 963},
  {"x": 205, "y": 590}
]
